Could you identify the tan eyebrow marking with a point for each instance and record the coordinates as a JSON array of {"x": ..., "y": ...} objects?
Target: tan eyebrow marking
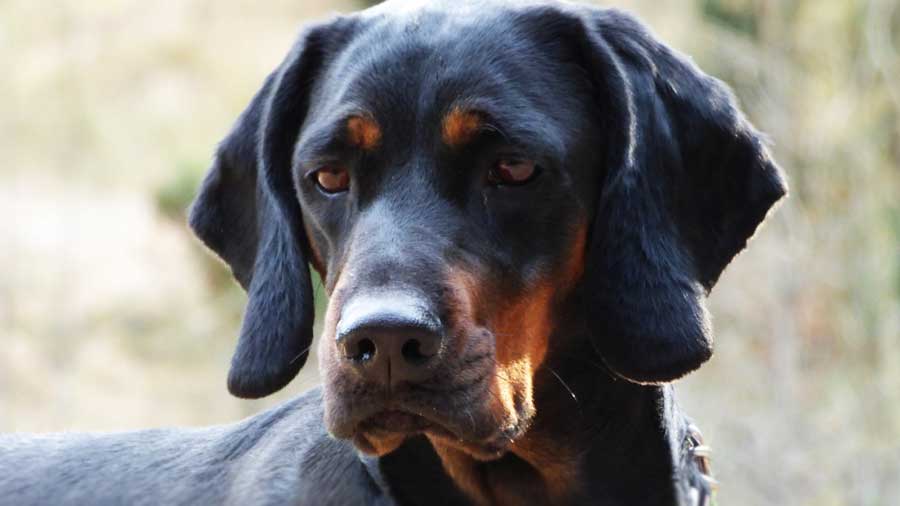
[
  {"x": 460, "y": 126},
  {"x": 363, "y": 132}
]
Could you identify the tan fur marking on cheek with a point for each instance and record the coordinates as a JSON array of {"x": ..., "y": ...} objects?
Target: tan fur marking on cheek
[
  {"x": 460, "y": 126},
  {"x": 363, "y": 133},
  {"x": 514, "y": 388},
  {"x": 522, "y": 328},
  {"x": 521, "y": 331}
]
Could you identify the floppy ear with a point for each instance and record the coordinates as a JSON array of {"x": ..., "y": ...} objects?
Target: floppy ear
[
  {"x": 247, "y": 212},
  {"x": 687, "y": 182}
]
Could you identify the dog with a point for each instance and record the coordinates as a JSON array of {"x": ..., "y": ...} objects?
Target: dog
[{"x": 517, "y": 210}]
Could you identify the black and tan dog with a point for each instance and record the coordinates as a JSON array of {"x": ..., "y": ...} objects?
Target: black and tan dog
[{"x": 517, "y": 209}]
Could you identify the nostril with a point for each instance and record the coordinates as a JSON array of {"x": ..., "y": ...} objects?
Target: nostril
[
  {"x": 364, "y": 350},
  {"x": 414, "y": 353}
]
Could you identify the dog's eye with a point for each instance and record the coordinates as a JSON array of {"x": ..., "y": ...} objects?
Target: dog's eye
[
  {"x": 512, "y": 171},
  {"x": 332, "y": 178}
]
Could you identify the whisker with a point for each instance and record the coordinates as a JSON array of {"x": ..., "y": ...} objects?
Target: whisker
[
  {"x": 591, "y": 363},
  {"x": 300, "y": 354},
  {"x": 563, "y": 383}
]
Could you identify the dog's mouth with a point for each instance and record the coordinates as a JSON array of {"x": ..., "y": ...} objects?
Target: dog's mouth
[
  {"x": 386, "y": 430},
  {"x": 466, "y": 404}
]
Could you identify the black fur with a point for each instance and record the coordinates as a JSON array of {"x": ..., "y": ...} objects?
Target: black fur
[
  {"x": 652, "y": 156},
  {"x": 688, "y": 182},
  {"x": 245, "y": 212}
]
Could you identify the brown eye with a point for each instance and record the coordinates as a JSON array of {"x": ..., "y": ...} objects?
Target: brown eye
[
  {"x": 332, "y": 179},
  {"x": 512, "y": 171}
]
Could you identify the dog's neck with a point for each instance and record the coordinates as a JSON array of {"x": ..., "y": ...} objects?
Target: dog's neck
[{"x": 594, "y": 436}]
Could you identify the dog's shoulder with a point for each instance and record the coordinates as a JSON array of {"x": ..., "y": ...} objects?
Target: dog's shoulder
[
  {"x": 285, "y": 448},
  {"x": 289, "y": 449}
]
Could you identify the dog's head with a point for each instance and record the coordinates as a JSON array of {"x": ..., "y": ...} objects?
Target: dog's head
[{"x": 459, "y": 175}]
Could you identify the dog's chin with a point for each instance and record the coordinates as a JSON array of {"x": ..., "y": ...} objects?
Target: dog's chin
[{"x": 386, "y": 431}]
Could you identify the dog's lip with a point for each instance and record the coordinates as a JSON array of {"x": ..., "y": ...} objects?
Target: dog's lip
[
  {"x": 383, "y": 416},
  {"x": 393, "y": 421}
]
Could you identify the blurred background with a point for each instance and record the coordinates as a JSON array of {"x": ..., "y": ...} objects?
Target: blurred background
[{"x": 112, "y": 316}]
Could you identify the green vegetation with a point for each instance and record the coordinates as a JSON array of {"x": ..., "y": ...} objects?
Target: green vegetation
[{"x": 176, "y": 194}]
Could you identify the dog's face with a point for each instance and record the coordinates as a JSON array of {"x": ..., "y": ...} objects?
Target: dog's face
[
  {"x": 447, "y": 216},
  {"x": 458, "y": 176}
]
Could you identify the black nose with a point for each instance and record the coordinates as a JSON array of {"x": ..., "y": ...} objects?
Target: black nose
[{"x": 389, "y": 338}]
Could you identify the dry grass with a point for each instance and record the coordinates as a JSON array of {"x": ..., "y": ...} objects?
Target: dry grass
[{"x": 111, "y": 317}]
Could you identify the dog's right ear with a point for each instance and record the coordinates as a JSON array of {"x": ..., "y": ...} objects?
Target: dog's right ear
[{"x": 248, "y": 214}]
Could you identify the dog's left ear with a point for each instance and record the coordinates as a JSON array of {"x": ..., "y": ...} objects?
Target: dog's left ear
[
  {"x": 248, "y": 213},
  {"x": 687, "y": 180}
]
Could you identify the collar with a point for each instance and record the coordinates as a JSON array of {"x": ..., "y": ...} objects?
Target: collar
[{"x": 695, "y": 461}]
